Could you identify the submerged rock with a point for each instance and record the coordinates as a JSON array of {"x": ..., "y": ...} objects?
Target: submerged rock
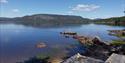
[{"x": 41, "y": 45}]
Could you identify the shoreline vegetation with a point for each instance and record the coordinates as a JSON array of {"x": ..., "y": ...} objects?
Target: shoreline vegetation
[
  {"x": 119, "y": 21},
  {"x": 117, "y": 33}
]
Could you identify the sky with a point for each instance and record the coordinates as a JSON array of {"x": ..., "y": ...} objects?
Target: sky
[{"x": 85, "y": 8}]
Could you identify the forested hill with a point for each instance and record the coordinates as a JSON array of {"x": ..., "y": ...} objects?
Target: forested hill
[
  {"x": 111, "y": 21},
  {"x": 52, "y": 19},
  {"x": 39, "y": 19}
]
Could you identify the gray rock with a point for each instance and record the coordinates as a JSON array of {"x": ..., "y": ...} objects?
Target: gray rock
[
  {"x": 116, "y": 58},
  {"x": 82, "y": 59}
]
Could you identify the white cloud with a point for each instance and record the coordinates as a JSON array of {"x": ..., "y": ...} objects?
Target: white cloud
[
  {"x": 3, "y": 1},
  {"x": 15, "y": 10},
  {"x": 83, "y": 7}
]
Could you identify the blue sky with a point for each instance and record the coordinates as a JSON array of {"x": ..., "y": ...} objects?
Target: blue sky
[{"x": 84, "y": 8}]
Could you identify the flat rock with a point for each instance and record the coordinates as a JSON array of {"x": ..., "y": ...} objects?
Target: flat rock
[
  {"x": 116, "y": 58},
  {"x": 82, "y": 59}
]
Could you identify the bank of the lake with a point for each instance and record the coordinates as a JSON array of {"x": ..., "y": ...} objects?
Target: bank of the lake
[{"x": 17, "y": 41}]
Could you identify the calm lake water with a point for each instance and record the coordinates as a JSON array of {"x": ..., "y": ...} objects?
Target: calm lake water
[{"x": 18, "y": 42}]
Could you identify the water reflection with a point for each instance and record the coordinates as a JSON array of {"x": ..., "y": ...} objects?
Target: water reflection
[{"x": 17, "y": 42}]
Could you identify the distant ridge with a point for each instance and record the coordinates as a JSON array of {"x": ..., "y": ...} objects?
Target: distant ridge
[
  {"x": 54, "y": 19},
  {"x": 47, "y": 19}
]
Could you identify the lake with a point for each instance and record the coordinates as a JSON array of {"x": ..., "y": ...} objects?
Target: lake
[{"x": 18, "y": 42}]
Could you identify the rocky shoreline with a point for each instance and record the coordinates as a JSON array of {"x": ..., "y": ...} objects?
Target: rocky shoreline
[
  {"x": 78, "y": 58},
  {"x": 98, "y": 49}
]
